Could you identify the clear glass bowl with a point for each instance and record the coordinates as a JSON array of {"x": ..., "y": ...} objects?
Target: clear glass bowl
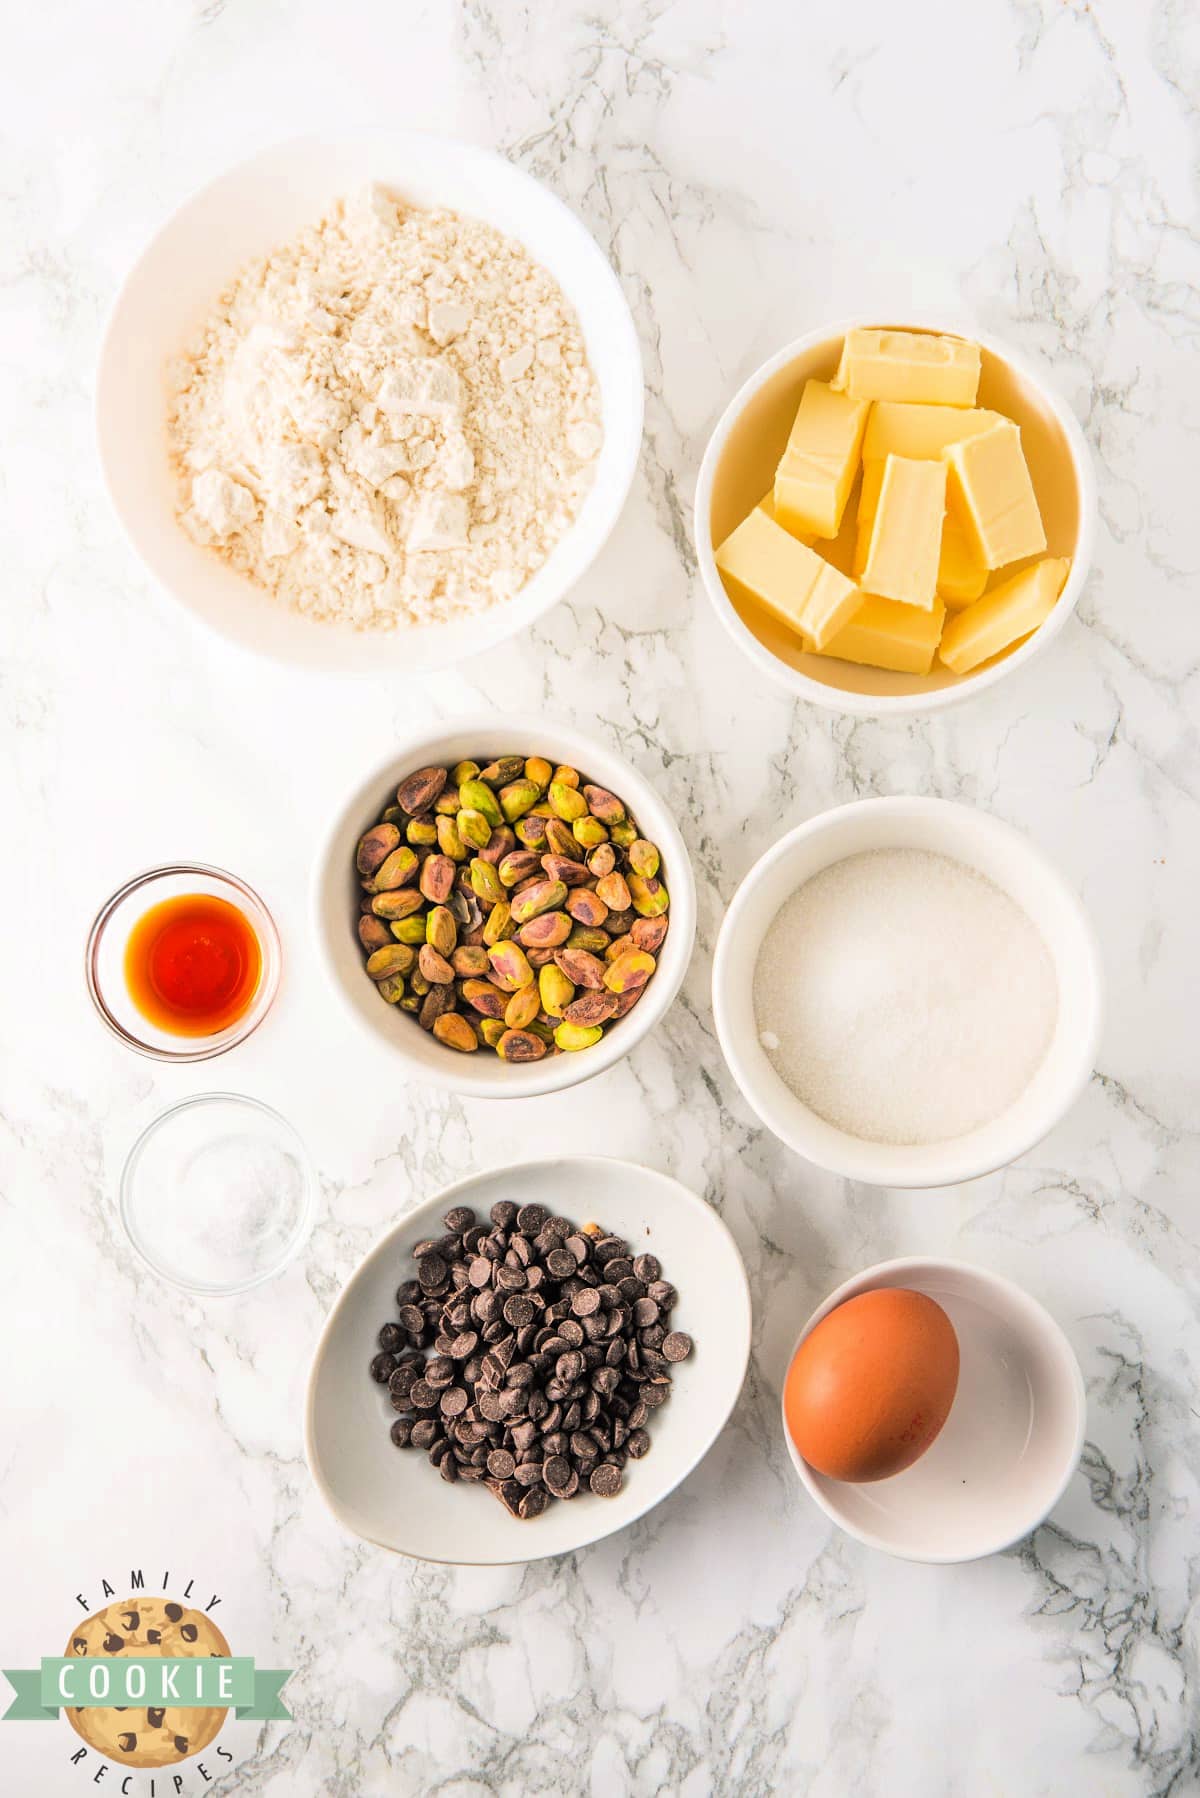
[
  {"x": 218, "y": 1194},
  {"x": 109, "y": 938}
]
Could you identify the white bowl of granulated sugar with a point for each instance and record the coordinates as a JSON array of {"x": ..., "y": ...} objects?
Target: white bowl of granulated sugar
[
  {"x": 907, "y": 992},
  {"x": 370, "y": 403}
]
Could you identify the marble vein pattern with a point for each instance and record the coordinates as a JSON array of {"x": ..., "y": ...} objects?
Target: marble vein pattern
[{"x": 753, "y": 169}]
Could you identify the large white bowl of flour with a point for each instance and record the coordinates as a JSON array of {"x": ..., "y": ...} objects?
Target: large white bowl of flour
[
  {"x": 245, "y": 215},
  {"x": 896, "y": 1043}
]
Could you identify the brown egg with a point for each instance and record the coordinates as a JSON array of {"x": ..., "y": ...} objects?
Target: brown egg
[{"x": 869, "y": 1388}]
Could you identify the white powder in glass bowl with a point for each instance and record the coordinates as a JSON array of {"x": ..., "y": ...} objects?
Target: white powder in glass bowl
[
  {"x": 904, "y": 998},
  {"x": 390, "y": 420}
]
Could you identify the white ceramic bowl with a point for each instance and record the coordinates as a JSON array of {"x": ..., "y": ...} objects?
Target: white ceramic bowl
[
  {"x": 739, "y": 467},
  {"x": 396, "y": 1499},
  {"x": 245, "y": 213},
  {"x": 1010, "y": 1444},
  {"x": 337, "y": 894},
  {"x": 1007, "y": 858}
]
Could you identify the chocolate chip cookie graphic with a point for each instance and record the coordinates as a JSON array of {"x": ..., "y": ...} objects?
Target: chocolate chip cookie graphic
[{"x": 140, "y": 1737}]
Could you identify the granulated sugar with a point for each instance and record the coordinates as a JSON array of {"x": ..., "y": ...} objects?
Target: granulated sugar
[{"x": 904, "y": 997}]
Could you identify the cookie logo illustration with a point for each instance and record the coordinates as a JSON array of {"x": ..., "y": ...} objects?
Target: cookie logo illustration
[
  {"x": 158, "y": 1735},
  {"x": 146, "y": 1683}
]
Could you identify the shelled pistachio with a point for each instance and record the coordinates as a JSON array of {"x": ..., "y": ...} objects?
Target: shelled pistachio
[{"x": 510, "y": 905}]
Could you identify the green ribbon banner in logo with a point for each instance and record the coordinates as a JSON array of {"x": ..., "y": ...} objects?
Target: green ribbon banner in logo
[{"x": 86, "y": 1681}]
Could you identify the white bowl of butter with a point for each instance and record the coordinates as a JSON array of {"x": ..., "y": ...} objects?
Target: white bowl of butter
[
  {"x": 1013, "y": 870},
  {"x": 792, "y": 614}
]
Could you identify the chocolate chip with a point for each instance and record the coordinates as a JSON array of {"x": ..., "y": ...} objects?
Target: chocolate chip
[
  {"x": 126, "y": 1741},
  {"x": 556, "y": 1471},
  {"x": 524, "y": 1436},
  {"x": 181, "y": 1744},
  {"x": 155, "y": 1718},
  {"x": 153, "y": 1636},
  {"x": 189, "y": 1632},
  {"x": 174, "y": 1612},
  {"x": 431, "y": 1271},
  {"x": 113, "y": 1643},
  {"x": 130, "y": 1620},
  {"x": 528, "y": 1355}
]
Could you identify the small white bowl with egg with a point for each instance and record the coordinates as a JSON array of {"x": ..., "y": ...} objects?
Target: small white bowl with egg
[
  {"x": 739, "y": 467},
  {"x": 242, "y": 216},
  {"x": 976, "y": 842},
  {"x": 1010, "y": 1445}
]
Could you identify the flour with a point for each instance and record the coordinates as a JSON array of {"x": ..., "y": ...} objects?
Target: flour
[{"x": 390, "y": 420}]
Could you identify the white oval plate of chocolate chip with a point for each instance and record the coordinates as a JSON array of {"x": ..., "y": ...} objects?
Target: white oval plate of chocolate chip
[{"x": 532, "y": 1359}]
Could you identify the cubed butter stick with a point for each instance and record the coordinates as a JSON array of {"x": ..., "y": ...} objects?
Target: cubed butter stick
[
  {"x": 817, "y": 469},
  {"x": 922, "y": 432},
  {"x": 962, "y": 574},
  {"x": 896, "y": 428},
  {"x": 989, "y": 486},
  {"x": 906, "y": 534},
  {"x": 883, "y": 633},
  {"x": 764, "y": 563},
  {"x": 908, "y": 365},
  {"x": 1009, "y": 612}
]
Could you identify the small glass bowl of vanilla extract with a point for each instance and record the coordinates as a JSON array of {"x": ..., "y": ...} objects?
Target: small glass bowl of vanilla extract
[{"x": 183, "y": 962}]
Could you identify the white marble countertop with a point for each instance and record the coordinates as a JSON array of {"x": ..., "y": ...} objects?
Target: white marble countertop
[{"x": 753, "y": 169}]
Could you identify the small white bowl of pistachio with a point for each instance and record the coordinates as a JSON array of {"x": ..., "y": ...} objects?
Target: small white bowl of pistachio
[{"x": 506, "y": 908}]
